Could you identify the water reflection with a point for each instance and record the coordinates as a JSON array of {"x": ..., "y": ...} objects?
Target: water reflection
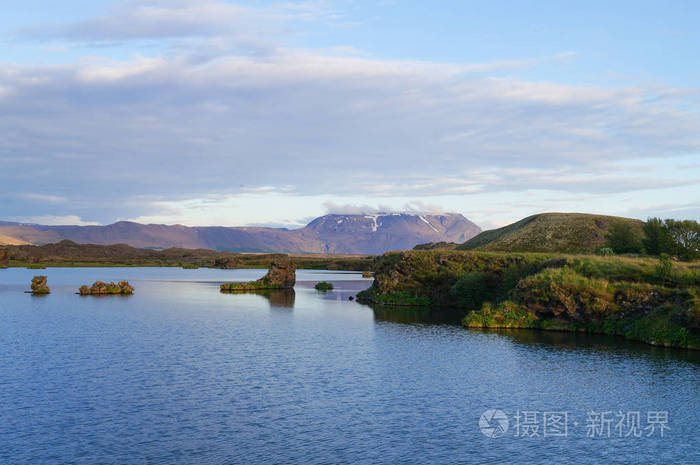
[
  {"x": 423, "y": 315},
  {"x": 282, "y": 298},
  {"x": 557, "y": 341},
  {"x": 277, "y": 298},
  {"x": 598, "y": 343}
]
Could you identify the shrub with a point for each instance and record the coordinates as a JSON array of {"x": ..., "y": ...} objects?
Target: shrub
[
  {"x": 606, "y": 251},
  {"x": 622, "y": 238},
  {"x": 656, "y": 238},
  {"x": 686, "y": 238},
  {"x": 324, "y": 286},
  {"x": 471, "y": 290},
  {"x": 664, "y": 269}
]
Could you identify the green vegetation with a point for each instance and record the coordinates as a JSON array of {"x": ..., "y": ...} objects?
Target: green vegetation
[
  {"x": 71, "y": 254},
  {"x": 579, "y": 233},
  {"x": 39, "y": 285},
  {"x": 472, "y": 289},
  {"x": 323, "y": 286},
  {"x": 36, "y": 266},
  {"x": 646, "y": 299},
  {"x": 249, "y": 286},
  {"x": 605, "y": 251},
  {"x": 623, "y": 238},
  {"x": 552, "y": 232},
  {"x": 101, "y": 288},
  {"x": 190, "y": 266},
  {"x": 672, "y": 237},
  {"x": 400, "y": 298}
]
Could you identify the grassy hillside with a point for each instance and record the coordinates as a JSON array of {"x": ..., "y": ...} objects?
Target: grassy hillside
[
  {"x": 550, "y": 232},
  {"x": 639, "y": 298}
]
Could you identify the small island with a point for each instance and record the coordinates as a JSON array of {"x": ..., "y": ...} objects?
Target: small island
[
  {"x": 39, "y": 286},
  {"x": 323, "y": 286},
  {"x": 282, "y": 275},
  {"x": 100, "y": 288}
]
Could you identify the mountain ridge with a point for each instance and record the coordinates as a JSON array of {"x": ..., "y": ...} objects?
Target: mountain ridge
[{"x": 332, "y": 233}]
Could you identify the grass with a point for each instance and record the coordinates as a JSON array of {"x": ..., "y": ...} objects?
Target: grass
[
  {"x": 637, "y": 298},
  {"x": 551, "y": 232},
  {"x": 250, "y": 286}
]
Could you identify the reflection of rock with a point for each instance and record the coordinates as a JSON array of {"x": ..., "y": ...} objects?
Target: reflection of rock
[
  {"x": 227, "y": 263},
  {"x": 282, "y": 275},
  {"x": 417, "y": 314},
  {"x": 4, "y": 258},
  {"x": 39, "y": 285},
  {"x": 280, "y": 298},
  {"x": 276, "y": 297},
  {"x": 100, "y": 288}
]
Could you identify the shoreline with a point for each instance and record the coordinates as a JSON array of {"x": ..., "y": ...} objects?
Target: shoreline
[{"x": 627, "y": 297}]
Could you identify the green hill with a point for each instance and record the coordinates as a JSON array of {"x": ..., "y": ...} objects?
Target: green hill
[{"x": 550, "y": 232}]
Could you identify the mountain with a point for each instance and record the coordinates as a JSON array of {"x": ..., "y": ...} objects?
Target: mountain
[
  {"x": 337, "y": 234},
  {"x": 550, "y": 232},
  {"x": 5, "y": 240}
]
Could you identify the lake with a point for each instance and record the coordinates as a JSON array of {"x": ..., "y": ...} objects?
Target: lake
[{"x": 182, "y": 373}]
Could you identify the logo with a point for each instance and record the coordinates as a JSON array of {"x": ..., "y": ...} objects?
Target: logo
[{"x": 493, "y": 423}]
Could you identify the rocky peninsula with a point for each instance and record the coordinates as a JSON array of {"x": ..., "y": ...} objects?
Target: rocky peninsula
[
  {"x": 282, "y": 275},
  {"x": 640, "y": 299}
]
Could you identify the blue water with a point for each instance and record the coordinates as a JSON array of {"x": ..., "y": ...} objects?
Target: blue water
[{"x": 181, "y": 373}]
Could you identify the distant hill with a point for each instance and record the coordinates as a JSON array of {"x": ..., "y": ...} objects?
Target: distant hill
[
  {"x": 69, "y": 253},
  {"x": 549, "y": 232},
  {"x": 6, "y": 240},
  {"x": 336, "y": 234}
]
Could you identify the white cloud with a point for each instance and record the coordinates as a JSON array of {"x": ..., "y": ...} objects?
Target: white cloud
[
  {"x": 54, "y": 220},
  {"x": 154, "y": 137}
]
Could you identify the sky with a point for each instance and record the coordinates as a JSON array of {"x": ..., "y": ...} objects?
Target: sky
[{"x": 235, "y": 113}]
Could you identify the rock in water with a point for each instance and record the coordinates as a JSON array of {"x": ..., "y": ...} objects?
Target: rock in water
[
  {"x": 4, "y": 258},
  {"x": 100, "y": 288},
  {"x": 282, "y": 274},
  {"x": 39, "y": 285}
]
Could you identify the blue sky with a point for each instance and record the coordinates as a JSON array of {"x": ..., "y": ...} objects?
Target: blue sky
[{"x": 233, "y": 113}]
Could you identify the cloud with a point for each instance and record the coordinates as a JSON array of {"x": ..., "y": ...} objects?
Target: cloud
[
  {"x": 162, "y": 19},
  {"x": 415, "y": 206},
  {"x": 348, "y": 209},
  {"x": 54, "y": 220},
  {"x": 134, "y": 135},
  {"x": 53, "y": 199}
]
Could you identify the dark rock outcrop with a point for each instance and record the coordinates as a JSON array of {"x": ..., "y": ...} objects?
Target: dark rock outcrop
[
  {"x": 227, "y": 263},
  {"x": 39, "y": 285},
  {"x": 282, "y": 275},
  {"x": 100, "y": 288},
  {"x": 4, "y": 258}
]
